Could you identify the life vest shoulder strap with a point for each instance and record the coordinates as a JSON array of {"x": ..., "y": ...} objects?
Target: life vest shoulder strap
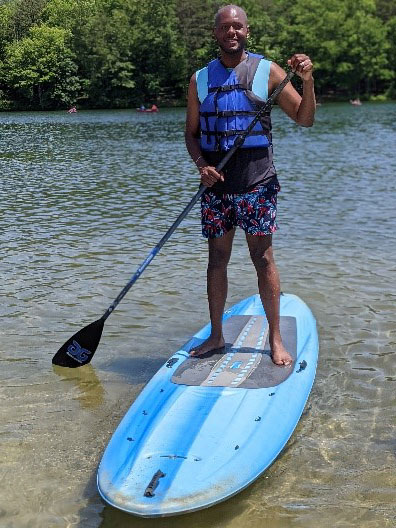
[{"x": 245, "y": 72}]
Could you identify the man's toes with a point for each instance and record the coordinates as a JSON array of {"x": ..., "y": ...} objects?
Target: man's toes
[{"x": 282, "y": 362}]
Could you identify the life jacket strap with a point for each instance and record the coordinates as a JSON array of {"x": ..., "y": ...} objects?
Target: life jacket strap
[
  {"x": 228, "y": 88},
  {"x": 227, "y": 133},
  {"x": 228, "y": 113},
  {"x": 207, "y": 127}
]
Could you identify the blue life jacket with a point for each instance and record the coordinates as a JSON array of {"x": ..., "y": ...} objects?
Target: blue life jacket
[{"x": 230, "y": 106}]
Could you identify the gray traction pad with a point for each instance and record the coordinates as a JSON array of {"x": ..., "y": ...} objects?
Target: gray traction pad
[{"x": 245, "y": 362}]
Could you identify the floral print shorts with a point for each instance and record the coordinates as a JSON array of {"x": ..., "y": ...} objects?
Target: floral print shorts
[{"x": 254, "y": 211}]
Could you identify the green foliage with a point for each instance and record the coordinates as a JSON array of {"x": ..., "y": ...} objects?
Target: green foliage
[
  {"x": 385, "y": 9},
  {"x": 40, "y": 69},
  {"x": 25, "y": 14},
  {"x": 6, "y": 34},
  {"x": 106, "y": 61},
  {"x": 120, "y": 53},
  {"x": 345, "y": 39},
  {"x": 196, "y": 20},
  {"x": 68, "y": 14},
  {"x": 157, "y": 52},
  {"x": 391, "y": 33}
]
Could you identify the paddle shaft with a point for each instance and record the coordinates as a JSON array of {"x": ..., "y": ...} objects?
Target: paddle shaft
[{"x": 238, "y": 142}]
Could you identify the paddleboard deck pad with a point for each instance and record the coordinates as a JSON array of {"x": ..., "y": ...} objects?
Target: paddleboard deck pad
[
  {"x": 206, "y": 427},
  {"x": 245, "y": 361}
]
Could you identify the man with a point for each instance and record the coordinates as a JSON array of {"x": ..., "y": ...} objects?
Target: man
[{"x": 221, "y": 100}]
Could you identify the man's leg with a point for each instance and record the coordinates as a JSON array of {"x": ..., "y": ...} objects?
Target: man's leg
[
  {"x": 260, "y": 248},
  {"x": 217, "y": 285}
]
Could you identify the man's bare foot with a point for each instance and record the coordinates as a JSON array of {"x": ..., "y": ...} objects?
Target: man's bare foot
[
  {"x": 280, "y": 356},
  {"x": 210, "y": 344}
]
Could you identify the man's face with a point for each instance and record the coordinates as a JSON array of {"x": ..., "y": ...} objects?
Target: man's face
[{"x": 231, "y": 31}]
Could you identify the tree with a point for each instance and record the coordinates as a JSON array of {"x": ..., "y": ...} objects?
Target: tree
[
  {"x": 391, "y": 30},
  {"x": 344, "y": 38},
  {"x": 40, "y": 69},
  {"x": 6, "y": 35},
  {"x": 25, "y": 14},
  {"x": 119, "y": 53},
  {"x": 105, "y": 59},
  {"x": 68, "y": 14},
  {"x": 195, "y": 23},
  {"x": 158, "y": 54},
  {"x": 385, "y": 9},
  {"x": 367, "y": 46}
]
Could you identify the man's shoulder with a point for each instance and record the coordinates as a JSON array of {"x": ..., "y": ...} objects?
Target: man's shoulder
[
  {"x": 277, "y": 74},
  {"x": 277, "y": 70},
  {"x": 204, "y": 72}
]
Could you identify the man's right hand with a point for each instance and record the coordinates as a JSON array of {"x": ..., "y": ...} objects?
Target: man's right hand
[{"x": 209, "y": 175}]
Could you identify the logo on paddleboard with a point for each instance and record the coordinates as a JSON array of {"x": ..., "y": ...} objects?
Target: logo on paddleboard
[{"x": 77, "y": 352}]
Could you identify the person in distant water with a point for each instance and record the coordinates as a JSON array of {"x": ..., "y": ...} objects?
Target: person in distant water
[
  {"x": 222, "y": 98},
  {"x": 154, "y": 108},
  {"x": 355, "y": 102},
  {"x": 72, "y": 110},
  {"x": 142, "y": 108}
]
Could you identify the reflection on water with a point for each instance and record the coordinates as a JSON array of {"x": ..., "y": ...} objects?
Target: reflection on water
[{"x": 84, "y": 199}]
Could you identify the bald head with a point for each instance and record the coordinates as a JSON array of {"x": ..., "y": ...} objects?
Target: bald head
[
  {"x": 231, "y": 31},
  {"x": 230, "y": 11}
]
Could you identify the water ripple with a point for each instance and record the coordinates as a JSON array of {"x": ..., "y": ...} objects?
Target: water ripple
[{"x": 85, "y": 198}]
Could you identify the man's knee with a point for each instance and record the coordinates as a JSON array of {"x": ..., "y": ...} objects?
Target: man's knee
[
  {"x": 220, "y": 251},
  {"x": 262, "y": 260},
  {"x": 218, "y": 258}
]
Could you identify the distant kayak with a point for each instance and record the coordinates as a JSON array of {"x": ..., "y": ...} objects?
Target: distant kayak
[{"x": 151, "y": 110}]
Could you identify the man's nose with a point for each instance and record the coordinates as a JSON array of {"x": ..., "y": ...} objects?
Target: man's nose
[{"x": 231, "y": 30}]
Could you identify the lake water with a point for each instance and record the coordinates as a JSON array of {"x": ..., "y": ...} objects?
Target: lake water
[{"x": 84, "y": 198}]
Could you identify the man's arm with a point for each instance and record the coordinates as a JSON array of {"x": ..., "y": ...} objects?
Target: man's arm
[
  {"x": 300, "y": 109},
  {"x": 209, "y": 175}
]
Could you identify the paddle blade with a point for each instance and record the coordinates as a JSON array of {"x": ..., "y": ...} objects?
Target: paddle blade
[{"x": 80, "y": 348}]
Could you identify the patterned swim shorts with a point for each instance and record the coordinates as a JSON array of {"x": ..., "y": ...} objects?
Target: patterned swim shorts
[{"x": 254, "y": 211}]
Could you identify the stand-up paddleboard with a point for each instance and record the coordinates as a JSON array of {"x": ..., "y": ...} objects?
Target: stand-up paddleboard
[{"x": 205, "y": 428}]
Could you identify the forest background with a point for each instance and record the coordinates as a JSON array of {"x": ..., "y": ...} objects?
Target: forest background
[{"x": 123, "y": 53}]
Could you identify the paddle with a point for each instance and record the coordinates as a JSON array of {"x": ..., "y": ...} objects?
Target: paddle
[{"x": 80, "y": 348}]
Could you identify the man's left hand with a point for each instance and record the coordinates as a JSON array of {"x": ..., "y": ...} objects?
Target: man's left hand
[{"x": 302, "y": 65}]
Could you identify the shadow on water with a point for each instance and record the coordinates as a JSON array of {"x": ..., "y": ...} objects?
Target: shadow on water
[
  {"x": 136, "y": 370},
  {"x": 91, "y": 391},
  {"x": 218, "y": 515}
]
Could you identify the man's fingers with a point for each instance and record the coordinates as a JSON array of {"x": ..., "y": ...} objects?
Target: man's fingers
[
  {"x": 209, "y": 176},
  {"x": 213, "y": 173},
  {"x": 301, "y": 64}
]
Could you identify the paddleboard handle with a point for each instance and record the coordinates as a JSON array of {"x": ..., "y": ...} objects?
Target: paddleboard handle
[{"x": 153, "y": 484}]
